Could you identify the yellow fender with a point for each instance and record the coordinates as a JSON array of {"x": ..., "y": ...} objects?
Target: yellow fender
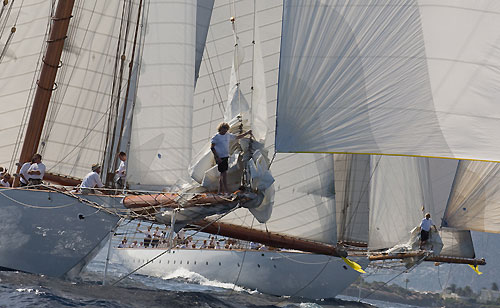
[
  {"x": 476, "y": 269},
  {"x": 355, "y": 266}
]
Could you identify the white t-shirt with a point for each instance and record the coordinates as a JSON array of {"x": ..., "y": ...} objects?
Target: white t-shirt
[
  {"x": 426, "y": 224},
  {"x": 91, "y": 180},
  {"x": 4, "y": 183},
  {"x": 36, "y": 167},
  {"x": 121, "y": 169},
  {"x": 221, "y": 143},
  {"x": 24, "y": 172}
]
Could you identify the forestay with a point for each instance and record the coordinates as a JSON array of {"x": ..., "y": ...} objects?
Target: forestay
[
  {"x": 160, "y": 149},
  {"x": 390, "y": 77}
]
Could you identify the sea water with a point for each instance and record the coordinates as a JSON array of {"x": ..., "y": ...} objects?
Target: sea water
[{"x": 180, "y": 289}]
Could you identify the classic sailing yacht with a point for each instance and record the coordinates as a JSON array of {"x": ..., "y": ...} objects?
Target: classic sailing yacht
[
  {"x": 63, "y": 79},
  {"x": 303, "y": 215}
]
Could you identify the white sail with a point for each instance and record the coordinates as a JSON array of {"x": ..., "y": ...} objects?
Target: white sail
[
  {"x": 76, "y": 127},
  {"x": 19, "y": 70},
  {"x": 475, "y": 199},
  {"x": 304, "y": 202},
  {"x": 399, "y": 191},
  {"x": 456, "y": 243},
  {"x": 352, "y": 195},
  {"x": 160, "y": 149},
  {"x": 393, "y": 77},
  {"x": 203, "y": 15}
]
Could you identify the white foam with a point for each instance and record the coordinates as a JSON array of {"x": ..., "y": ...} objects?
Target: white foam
[
  {"x": 201, "y": 280},
  {"x": 29, "y": 291}
]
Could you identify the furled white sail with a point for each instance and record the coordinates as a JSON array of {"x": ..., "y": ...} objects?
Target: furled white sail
[
  {"x": 304, "y": 204},
  {"x": 352, "y": 193},
  {"x": 160, "y": 149},
  {"x": 399, "y": 191},
  {"x": 390, "y": 77},
  {"x": 76, "y": 127},
  {"x": 19, "y": 66},
  {"x": 475, "y": 199}
]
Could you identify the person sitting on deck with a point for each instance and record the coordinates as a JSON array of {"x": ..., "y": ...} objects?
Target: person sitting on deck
[
  {"x": 425, "y": 229},
  {"x": 23, "y": 173},
  {"x": 123, "y": 244},
  {"x": 220, "y": 148},
  {"x": 36, "y": 171},
  {"x": 5, "y": 181},
  {"x": 204, "y": 245},
  {"x": 91, "y": 180}
]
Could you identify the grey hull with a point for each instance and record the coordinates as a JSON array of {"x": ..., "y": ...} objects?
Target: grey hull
[{"x": 50, "y": 233}]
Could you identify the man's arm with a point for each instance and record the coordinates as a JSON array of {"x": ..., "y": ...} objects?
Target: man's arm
[{"x": 244, "y": 134}]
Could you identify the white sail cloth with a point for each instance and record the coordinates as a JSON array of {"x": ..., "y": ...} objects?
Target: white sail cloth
[
  {"x": 18, "y": 69},
  {"x": 304, "y": 204},
  {"x": 76, "y": 126},
  {"x": 475, "y": 199},
  {"x": 160, "y": 146},
  {"x": 399, "y": 191},
  {"x": 395, "y": 77},
  {"x": 352, "y": 195}
]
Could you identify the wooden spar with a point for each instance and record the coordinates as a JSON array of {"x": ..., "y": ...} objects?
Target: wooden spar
[
  {"x": 55, "y": 44},
  {"x": 354, "y": 244},
  {"x": 268, "y": 238},
  {"x": 441, "y": 259},
  {"x": 61, "y": 179}
]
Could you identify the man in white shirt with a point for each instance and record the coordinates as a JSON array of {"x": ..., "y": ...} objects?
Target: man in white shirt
[
  {"x": 5, "y": 181},
  {"x": 36, "y": 171},
  {"x": 23, "y": 173},
  {"x": 220, "y": 148},
  {"x": 92, "y": 180},
  {"x": 121, "y": 172},
  {"x": 425, "y": 229}
]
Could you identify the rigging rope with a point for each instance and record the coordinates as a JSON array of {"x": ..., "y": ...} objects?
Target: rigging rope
[
  {"x": 169, "y": 248},
  {"x": 419, "y": 261}
]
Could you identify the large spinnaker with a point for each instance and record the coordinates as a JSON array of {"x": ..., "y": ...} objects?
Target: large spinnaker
[{"x": 394, "y": 77}]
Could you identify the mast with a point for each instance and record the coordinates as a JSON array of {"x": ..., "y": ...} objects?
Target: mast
[
  {"x": 114, "y": 161},
  {"x": 45, "y": 85}
]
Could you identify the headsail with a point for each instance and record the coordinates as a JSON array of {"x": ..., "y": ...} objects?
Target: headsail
[
  {"x": 475, "y": 199},
  {"x": 352, "y": 195},
  {"x": 304, "y": 204},
  {"x": 395, "y": 77},
  {"x": 399, "y": 191},
  {"x": 160, "y": 149}
]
